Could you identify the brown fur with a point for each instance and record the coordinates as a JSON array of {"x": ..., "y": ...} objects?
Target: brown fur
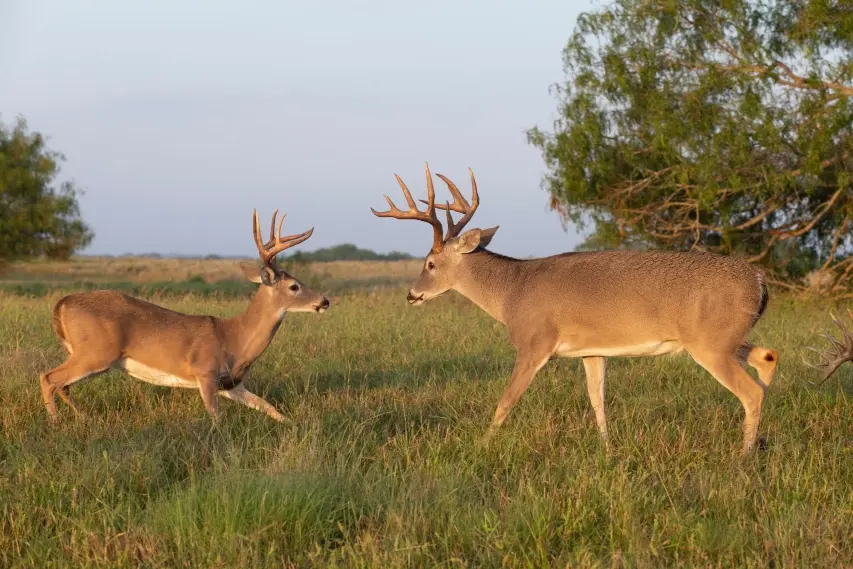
[
  {"x": 107, "y": 329},
  {"x": 56, "y": 320}
]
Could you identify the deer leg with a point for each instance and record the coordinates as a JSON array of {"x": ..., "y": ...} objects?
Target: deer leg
[
  {"x": 60, "y": 377},
  {"x": 249, "y": 399},
  {"x": 594, "y": 368},
  {"x": 527, "y": 364},
  {"x": 208, "y": 387},
  {"x": 733, "y": 377},
  {"x": 64, "y": 393}
]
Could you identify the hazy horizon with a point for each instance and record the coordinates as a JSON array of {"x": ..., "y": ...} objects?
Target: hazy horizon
[{"x": 178, "y": 119}]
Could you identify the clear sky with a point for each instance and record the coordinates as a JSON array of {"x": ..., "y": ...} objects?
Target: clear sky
[{"x": 179, "y": 117}]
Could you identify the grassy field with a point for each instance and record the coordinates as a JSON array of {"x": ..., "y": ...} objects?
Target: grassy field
[
  {"x": 157, "y": 278},
  {"x": 378, "y": 464}
]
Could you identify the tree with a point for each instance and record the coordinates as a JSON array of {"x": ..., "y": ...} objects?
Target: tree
[
  {"x": 37, "y": 215},
  {"x": 711, "y": 125}
]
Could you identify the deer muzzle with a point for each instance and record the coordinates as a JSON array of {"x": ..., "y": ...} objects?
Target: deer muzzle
[
  {"x": 322, "y": 306},
  {"x": 414, "y": 300}
]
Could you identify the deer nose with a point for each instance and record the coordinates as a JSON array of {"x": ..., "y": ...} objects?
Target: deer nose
[
  {"x": 412, "y": 298},
  {"x": 325, "y": 303}
]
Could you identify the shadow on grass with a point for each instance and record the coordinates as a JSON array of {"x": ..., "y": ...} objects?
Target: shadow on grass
[{"x": 432, "y": 373}]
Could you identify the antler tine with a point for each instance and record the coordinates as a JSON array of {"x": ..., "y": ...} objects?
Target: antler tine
[
  {"x": 277, "y": 242},
  {"x": 430, "y": 190},
  {"x": 839, "y": 352},
  {"x": 272, "y": 227},
  {"x": 280, "y": 223},
  {"x": 286, "y": 242},
  {"x": 475, "y": 202},
  {"x": 451, "y": 228},
  {"x": 275, "y": 231},
  {"x": 406, "y": 193},
  {"x": 459, "y": 205},
  {"x": 256, "y": 232},
  {"x": 413, "y": 211}
]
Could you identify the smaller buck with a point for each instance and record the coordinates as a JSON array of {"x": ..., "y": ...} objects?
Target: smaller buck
[
  {"x": 104, "y": 329},
  {"x": 595, "y": 305},
  {"x": 840, "y": 350}
]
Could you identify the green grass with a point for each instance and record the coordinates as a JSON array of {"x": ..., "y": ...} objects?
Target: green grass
[{"x": 378, "y": 464}]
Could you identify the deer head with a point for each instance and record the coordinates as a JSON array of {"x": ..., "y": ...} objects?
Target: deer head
[
  {"x": 285, "y": 292},
  {"x": 448, "y": 248}
]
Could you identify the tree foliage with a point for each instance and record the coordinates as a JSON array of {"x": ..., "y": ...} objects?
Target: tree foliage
[
  {"x": 38, "y": 216},
  {"x": 713, "y": 125}
]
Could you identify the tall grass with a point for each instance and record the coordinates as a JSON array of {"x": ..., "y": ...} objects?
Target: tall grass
[
  {"x": 379, "y": 462},
  {"x": 220, "y": 278},
  {"x": 153, "y": 270}
]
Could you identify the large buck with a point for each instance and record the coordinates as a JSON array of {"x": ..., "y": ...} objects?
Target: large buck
[
  {"x": 104, "y": 329},
  {"x": 595, "y": 305}
]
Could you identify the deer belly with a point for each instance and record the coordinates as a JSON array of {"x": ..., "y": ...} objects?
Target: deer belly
[
  {"x": 154, "y": 376},
  {"x": 655, "y": 348}
]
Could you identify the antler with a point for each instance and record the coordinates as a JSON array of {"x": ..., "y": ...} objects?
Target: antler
[
  {"x": 459, "y": 205},
  {"x": 277, "y": 242},
  {"x": 414, "y": 213},
  {"x": 840, "y": 350}
]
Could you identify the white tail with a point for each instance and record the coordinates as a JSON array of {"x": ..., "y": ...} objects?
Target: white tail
[
  {"x": 595, "y": 305},
  {"x": 104, "y": 329}
]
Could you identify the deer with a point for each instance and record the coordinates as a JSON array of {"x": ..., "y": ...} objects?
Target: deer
[
  {"x": 598, "y": 304},
  {"x": 840, "y": 350},
  {"x": 103, "y": 330}
]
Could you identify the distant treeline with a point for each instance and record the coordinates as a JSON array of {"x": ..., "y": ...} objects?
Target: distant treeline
[{"x": 344, "y": 252}]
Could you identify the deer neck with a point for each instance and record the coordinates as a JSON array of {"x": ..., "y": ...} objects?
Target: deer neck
[
  {"x": 486, "y": 278},
  {"x": 250, "y": 332}
]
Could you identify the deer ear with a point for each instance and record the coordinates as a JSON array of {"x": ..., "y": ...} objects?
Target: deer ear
[
  {"x": 259, "y": 275},
  {"x": 472, "y": 239},
  {"x": 467, "y": 242},
  {"x": 268, "y": 276},
  {"x": 487, "y": 234},
  {"x": 251, "y": 272}
]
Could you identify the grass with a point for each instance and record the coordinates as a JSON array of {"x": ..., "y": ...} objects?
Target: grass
[
  {"x": 108, "y": 270},
  {"x": 378, "y": 463},
  {"x": 159, "y": 278}
]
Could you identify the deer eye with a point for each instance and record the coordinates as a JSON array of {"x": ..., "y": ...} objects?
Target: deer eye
[
  {"x": 431, "y": 266},
  {"x": 294, "y": 287}
]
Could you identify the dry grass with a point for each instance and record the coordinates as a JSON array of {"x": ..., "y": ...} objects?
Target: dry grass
[{"x": 147, "y": 269}]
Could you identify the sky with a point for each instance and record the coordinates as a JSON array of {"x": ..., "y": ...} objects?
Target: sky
[{"x": 177, "y": 118}]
